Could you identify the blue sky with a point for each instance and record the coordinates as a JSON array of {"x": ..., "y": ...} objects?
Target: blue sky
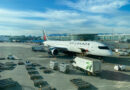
[{"x": 30, "y": 17}]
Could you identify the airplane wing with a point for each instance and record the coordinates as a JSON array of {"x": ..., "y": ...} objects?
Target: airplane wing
[{"x": 70, "y": 49}]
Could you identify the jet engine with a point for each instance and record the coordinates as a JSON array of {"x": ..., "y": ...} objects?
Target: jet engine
[{"x": 53, "y": 51}]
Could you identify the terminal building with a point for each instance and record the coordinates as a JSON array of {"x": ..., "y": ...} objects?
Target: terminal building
[
  {"x": 68, "y": 37},
  {"x": 4, "y": 38},
  {"x": 114, "y": 37},
  {"x": 91, "y": 37}
]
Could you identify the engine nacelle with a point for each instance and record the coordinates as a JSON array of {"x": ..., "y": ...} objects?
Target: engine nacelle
[{"x": 53, "y": 51}]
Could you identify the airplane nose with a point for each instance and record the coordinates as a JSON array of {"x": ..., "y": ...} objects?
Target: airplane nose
[
  {"x": 107, "y": 53},
  {"x": 110, "y": 53}
]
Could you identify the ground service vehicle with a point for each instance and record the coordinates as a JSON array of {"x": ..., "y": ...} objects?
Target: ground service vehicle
[
  {"x": 38, "y": 48},
  {"x": 89, "y": 65}
]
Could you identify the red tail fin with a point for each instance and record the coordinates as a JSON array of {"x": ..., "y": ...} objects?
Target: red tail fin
[{"x": 44, "y": 36}]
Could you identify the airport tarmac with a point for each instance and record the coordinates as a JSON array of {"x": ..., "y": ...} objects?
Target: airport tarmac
[{"x": 108, "y": 79}]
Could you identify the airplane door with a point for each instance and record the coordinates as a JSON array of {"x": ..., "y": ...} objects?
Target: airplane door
[{"x": 91, "y": 47}]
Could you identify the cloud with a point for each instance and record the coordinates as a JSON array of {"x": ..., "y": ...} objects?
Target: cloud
[
  {"x": 51, "y": 19},
  {"x": 56, "y": 14},
  {"x": 96, "y": 6},
  {"x": 59, "y": 21}
]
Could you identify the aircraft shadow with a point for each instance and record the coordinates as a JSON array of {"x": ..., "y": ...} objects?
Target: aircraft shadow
[
  {"x": 117, "y": 60},
  {"x": 127, "y": 71},
  {"x": 117, "y": 76}
]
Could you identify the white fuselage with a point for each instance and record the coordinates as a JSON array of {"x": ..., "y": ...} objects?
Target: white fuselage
[{"x": 91, "y": 47}]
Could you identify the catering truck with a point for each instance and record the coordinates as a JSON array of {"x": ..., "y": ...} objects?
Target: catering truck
[{"x": 88, "y": 65}]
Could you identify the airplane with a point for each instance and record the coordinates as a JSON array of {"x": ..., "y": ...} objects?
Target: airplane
[{"x": 76, "y": 47}]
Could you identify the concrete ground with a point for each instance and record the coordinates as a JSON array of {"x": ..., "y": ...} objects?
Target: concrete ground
[{"x": 108, "y": 79}]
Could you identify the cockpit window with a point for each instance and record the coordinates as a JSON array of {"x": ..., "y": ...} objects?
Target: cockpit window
[{"x": 103, "y": 47}]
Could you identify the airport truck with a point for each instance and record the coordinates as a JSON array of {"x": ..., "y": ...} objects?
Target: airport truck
[{"x": 88, "y": 65}]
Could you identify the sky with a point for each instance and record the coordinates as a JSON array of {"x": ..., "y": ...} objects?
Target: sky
[{"x": 30, "y": 17}]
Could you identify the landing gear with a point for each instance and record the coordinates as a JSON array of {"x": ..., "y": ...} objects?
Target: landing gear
[
  {"x": 82, "y": 54},
  {"x": 70, "y": 54},
  {"x": 89, "y": 73}
]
